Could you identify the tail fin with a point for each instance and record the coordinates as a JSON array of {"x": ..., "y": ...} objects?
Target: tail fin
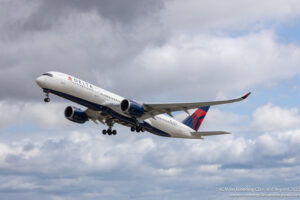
[{"x": 195, "y": 120}]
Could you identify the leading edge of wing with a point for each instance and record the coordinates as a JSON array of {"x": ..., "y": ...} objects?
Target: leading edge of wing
[{"x": 172, "y": 107}]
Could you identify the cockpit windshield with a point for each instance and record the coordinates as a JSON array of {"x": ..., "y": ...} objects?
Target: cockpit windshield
[{"x": 48, "y": 74}]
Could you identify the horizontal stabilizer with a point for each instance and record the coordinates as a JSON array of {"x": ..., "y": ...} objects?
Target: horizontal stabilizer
[{"x": 209, "y": 133}]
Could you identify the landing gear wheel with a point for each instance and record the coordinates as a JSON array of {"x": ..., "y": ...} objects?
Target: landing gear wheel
[
  {"x": 109, "y": 132},
  {"x": 47, "y": 99},
  {"x": 132, "y": 129},
  {"x": 104, "y": 132},
  {"x": 114, "y": 132}
]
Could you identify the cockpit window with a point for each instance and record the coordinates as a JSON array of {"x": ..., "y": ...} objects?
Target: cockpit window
[{"x": 48, "y": 74}]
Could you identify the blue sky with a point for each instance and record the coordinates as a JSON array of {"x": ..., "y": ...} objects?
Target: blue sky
[
  {"x": 289, "y": 32},
  {"x": 152, "y": 51}
]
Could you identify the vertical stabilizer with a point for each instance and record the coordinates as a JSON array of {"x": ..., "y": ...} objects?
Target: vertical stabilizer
[{"x": 195, "y": 120}]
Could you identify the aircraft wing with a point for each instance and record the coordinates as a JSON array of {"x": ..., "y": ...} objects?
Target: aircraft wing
[{"x": 155, "y": 109}]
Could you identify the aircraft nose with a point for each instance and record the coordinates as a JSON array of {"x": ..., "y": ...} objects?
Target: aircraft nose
[{"x": 40, "y": 81}]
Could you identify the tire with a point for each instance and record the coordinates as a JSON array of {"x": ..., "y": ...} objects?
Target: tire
[
  {"x": 114, "y": 132},
  {"x": 104, "y": 132}
]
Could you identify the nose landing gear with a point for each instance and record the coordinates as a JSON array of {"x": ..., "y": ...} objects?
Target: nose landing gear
[{"x": 47, "y": 99}]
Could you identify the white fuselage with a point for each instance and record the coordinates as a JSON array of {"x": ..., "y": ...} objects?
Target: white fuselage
[{"x": 64, "y": 84}]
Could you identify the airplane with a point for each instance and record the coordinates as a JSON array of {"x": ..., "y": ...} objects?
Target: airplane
[{"x": 109, "y": 108}]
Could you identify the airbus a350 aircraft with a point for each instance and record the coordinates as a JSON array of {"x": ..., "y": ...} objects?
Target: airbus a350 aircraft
[{"x": 109, "y": 108}]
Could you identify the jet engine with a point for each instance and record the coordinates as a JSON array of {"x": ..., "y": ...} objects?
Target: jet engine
[
  {"x": 132, "y": 108},
  {"x": 75, "y": 115}
]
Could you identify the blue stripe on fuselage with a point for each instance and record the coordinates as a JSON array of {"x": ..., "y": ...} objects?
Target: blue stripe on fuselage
[{"x": 109, "y": 111}]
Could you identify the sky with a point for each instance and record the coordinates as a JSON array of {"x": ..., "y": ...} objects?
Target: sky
[{"x": 154, "y": 51}]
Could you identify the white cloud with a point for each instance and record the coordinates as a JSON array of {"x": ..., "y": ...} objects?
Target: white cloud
[
  {"x": 167, "y": 172},
  {"x": 177, "y": 65},
  {"x": 78, "y": 155},
  {"x": 271, "y": 146},
  {"x": 289, "y": 160},
  {"x": 226, "y": 149},
  {"x": 41, "y": 114},
  {"x": 274, "y": 118},
  {"x": 18, "y": 183},
  {"x": 9, "y": 113},
  {"x": 228, "y": 15},
  {"x": 209, "y": 168},
  {"x": 292, "y": 136},
  {"x": 204, "y": 65}
]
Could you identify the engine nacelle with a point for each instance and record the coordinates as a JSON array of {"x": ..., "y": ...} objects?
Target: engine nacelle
[
  {"x": 132, "y": 108},
  {"x": 75, "y": 115}
]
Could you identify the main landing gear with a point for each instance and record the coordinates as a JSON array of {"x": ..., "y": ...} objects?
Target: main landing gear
[
  {"x": 109, "y": 132},
  {"x": 137, "y": 129}
]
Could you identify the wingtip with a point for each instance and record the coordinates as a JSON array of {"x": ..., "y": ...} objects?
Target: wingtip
[{"x": 245, "y": 96}]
